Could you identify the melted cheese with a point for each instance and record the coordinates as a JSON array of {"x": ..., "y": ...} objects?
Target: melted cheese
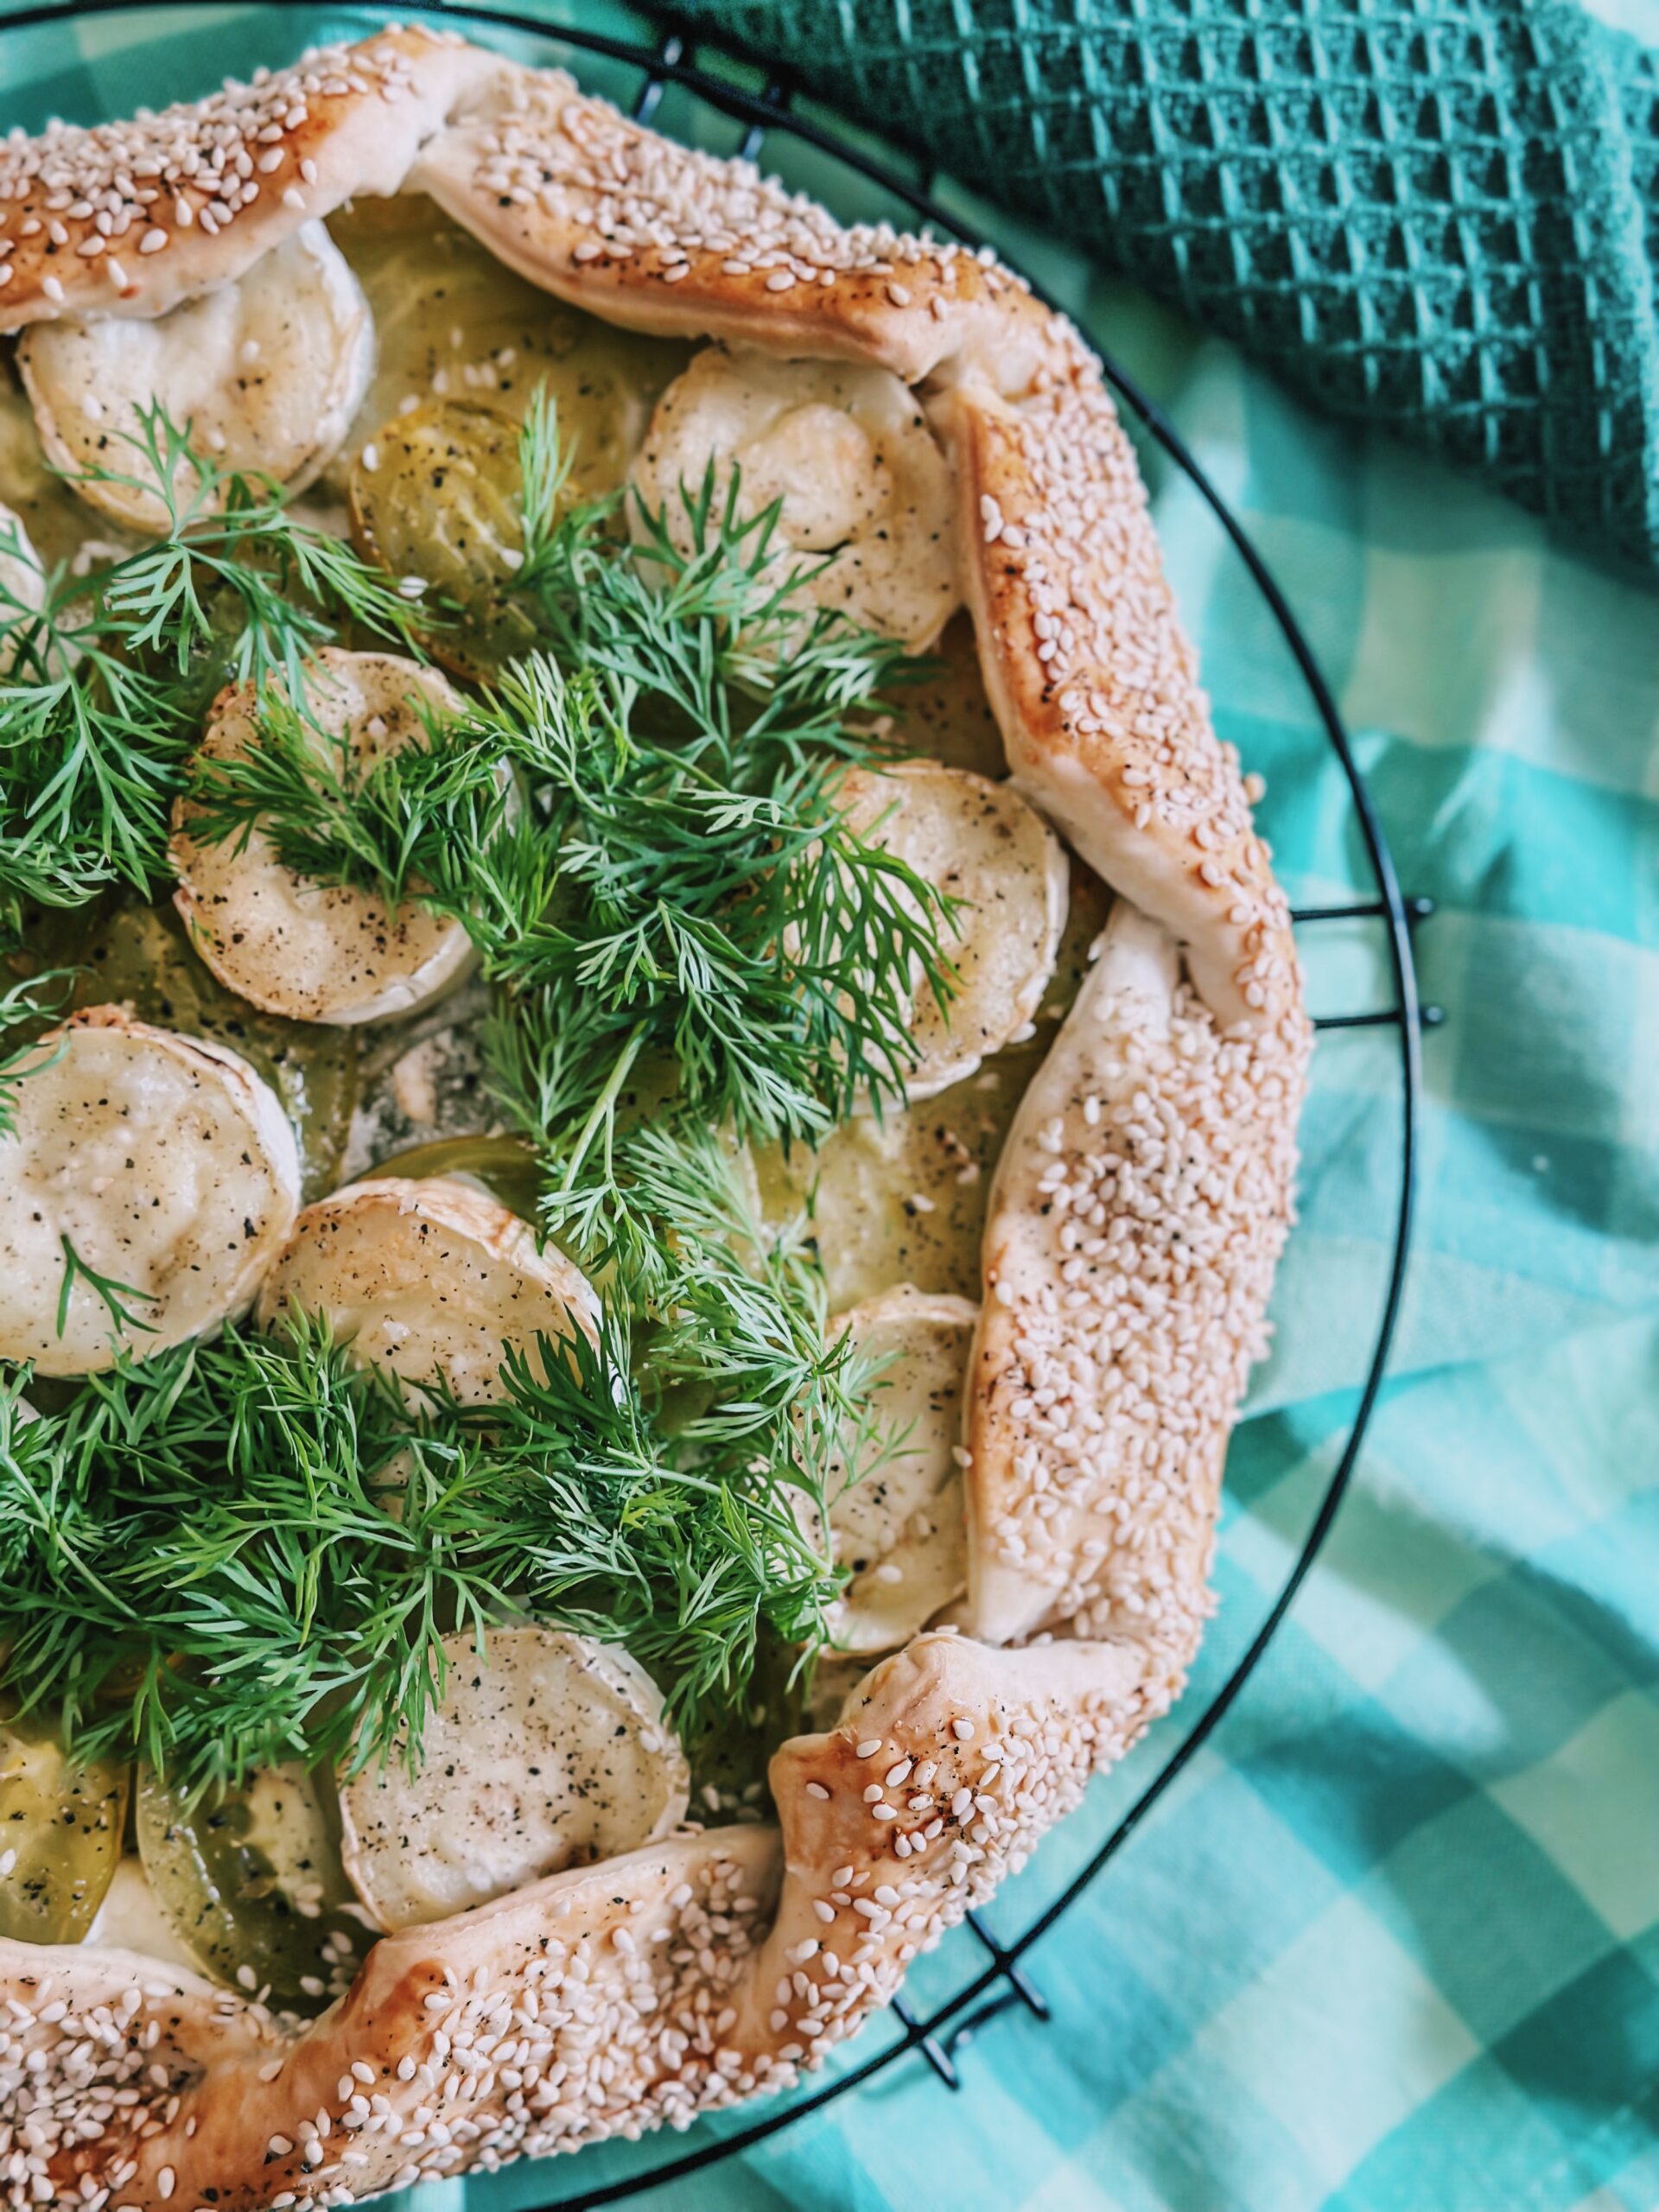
[
  {"x": 549, "y": 1751},
  {"x": 847, "y": 451},
  {"x": 315, "y": 951},
  {"x": 168, "y": 1166},
  {"x": 266, "y": 372}
]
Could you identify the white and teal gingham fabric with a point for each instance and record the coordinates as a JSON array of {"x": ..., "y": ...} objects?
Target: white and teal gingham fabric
[{"x": 1392, "y": 1942}]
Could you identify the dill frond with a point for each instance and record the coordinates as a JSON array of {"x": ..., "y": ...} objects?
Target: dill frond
[{"x": 107, "y": 682}]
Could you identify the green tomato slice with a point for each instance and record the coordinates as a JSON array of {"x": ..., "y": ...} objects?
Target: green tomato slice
[
  {"x": 441, "y": 502},
  {"x": 504, "y": 1166},
  {"x": 61, "y": 1818},
  {"x": 251, "y": 1884},
  {"x": 451, "y": 322}
]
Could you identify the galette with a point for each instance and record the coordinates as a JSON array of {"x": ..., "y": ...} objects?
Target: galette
[{"x": 647, "y": 1105}]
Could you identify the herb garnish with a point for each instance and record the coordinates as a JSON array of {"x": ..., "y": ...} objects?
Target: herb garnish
[
  {"x": 22, "y": 1008},
  {"x": 229, "y": 1554},
  {"x": 106, "y": 683},
  {"x": 671, "y": 875},
  {"x": 113, "y": 1293},
  {"x": 235, "y": 1552}
]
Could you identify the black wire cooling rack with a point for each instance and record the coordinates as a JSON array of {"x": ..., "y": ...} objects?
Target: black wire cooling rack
[{"x": 1000, "y": 1980}]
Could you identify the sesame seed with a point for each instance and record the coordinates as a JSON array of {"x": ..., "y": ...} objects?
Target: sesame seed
[{"x": 869, "y": 1747}]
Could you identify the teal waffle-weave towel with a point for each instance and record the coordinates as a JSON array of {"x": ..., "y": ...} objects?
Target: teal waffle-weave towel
[{"x": 1440, "y": 215}]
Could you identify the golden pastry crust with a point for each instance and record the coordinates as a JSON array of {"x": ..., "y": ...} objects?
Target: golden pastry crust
[
  {"x": 1138, "y": 1213},
  {"x": 668, "y": 1982},
  {"x": 583, "y": 2004},
  {"x": 612, "y": 216},
  {"x": 130, "y": 218},
  {"x": 1166, "y": 1114},
  {"x": 1094, "y": 684}
]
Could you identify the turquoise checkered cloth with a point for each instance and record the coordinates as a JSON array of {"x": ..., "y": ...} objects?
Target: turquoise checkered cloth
[{"x": 1392, "y": 1943}]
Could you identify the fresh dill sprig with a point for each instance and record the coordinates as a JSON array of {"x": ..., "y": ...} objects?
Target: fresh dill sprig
[
  {"x": 106, "y": 683},
  {"x": 229, "y": 1554},
  {"x": 113, "y": 1293},
  {"x": 670, "y": 874},
  {"x": 237, "y": 1553},
  {"x": 24, "y": 1006},
  {"x": 718, "y": 632}
]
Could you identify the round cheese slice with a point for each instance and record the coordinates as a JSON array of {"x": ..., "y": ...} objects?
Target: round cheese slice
[
  {"x": 429, "y": 1278},
  {"x": 847, "y": 451},
  {"x": 265, "y": 375},
  {"x": 896, "y": 1511},
  {"x": 547, "y": 1750},
  {"x": 983, "y": 847},
  {"x": 315, "y": 951},
  {"x": 163, "y": 1165}
]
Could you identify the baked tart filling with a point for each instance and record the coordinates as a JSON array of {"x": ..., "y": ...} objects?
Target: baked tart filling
[{"x": 647, "y": 1102}]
